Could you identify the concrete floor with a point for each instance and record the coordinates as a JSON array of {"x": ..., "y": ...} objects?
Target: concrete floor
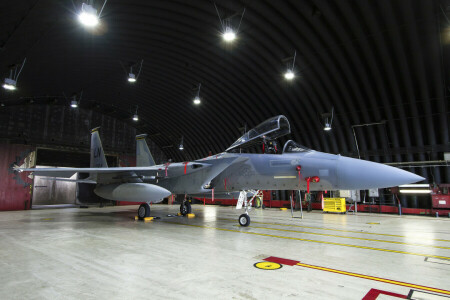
[{"x": 102, "y": 253}]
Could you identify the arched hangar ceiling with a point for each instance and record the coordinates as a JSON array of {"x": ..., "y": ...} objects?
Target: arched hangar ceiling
[{"x": 378, "y": 61}]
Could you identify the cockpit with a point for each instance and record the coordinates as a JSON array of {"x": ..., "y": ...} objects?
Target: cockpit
[
  {"x": 294, "y": 147},
  {"x": 265, "y": 135}
]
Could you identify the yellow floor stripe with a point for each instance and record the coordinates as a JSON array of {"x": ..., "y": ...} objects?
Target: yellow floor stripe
[
  {"x": 332, "y": 229},
  {"x": 415, "y": 286},
  {"x": 316, "y": 241},
  {"x": 351, "y": 237}
]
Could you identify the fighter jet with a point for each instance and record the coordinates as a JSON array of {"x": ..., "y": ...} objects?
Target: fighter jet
[{"x": 295, "y": 167}]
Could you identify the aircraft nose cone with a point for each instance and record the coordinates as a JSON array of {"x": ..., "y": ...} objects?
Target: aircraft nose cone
[{"x": 361, "y": 174}]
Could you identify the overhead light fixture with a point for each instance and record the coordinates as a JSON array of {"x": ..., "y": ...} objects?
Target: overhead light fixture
[
  {"x": 197, "y": 100},
  {"x": 9, "y": 84},
  {"x": 328, "y": 120},
  {"x": 131, "y": 77},
  {"x": 229, "y": 35},
  {"x": 74, "y": 103},
  {"x": 415, "y": 191},
  {"x": 88, "y": 15},
  {"x": 181, "y": 147},
  {"x": 289, "y": 75},
  {"x": 135, "y": 116}
]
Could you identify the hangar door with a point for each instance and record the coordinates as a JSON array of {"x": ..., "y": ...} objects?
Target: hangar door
[{"x": 51, "y": 192}]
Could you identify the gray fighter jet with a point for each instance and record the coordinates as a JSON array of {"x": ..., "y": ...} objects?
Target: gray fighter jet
[{"x": 231, "y": 172}]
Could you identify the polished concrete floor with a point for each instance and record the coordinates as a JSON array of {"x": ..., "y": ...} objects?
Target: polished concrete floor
[{"x": 103, "y": 253}]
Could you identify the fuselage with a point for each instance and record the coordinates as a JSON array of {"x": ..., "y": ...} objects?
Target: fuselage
[{"x": 233, "y": 172}]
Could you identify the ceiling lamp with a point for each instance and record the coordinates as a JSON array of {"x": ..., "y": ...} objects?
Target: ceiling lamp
[
  {"x": 328, "y": 120},
  {"x": 88, "y": 15},
  {"x": 289, "y": 75},
  {"x": 197, "y": 100},
  {"x": 229, "y": 35},
  {"x": 74, "y": 104},
  {"x": 10, "y": 82},
  {"x": 181, "y": 147},
  {"x": 131, "y": 77},
  {"x": 135, "y": 116}
]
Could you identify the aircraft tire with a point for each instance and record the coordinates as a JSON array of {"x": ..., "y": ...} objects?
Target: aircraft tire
[
  {"x": 244, "y": 220},
  {"x": 185, "y": 208},
  {"x": 144, "y": 211}
]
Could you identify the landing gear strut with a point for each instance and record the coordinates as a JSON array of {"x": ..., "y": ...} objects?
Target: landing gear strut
[
  {"x": 144, "y": 211},
  {"x": 185, "y": 207}
]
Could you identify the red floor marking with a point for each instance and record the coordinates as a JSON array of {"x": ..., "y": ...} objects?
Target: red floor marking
[
  {"x": 374, "y": 293},
  {"x": 282, "y": 261},
  {"x": 368, "y": 277}
]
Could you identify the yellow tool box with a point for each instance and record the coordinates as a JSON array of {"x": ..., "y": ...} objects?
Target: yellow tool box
[{"x": 334, "y": 205}]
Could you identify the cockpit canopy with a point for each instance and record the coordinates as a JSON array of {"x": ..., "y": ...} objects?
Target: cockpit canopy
[
  {"x": 293, "y": 147},
  {"x": 270, "y": 129}
]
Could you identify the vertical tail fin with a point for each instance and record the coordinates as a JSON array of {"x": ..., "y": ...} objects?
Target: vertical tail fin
[
  {"x": 98, "y": 159},
  {"x": 143, "y": 156}
]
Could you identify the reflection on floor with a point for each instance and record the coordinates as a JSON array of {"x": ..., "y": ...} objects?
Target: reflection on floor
[{"x": 104, "y": 252}]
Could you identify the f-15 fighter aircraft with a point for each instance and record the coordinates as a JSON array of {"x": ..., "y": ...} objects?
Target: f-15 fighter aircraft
[{"x": 295, "y": 168}]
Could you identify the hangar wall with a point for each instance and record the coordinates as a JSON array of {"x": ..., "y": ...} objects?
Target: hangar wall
[{"x": 15, "y": 188}]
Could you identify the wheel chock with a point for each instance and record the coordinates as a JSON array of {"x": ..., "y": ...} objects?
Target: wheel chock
[
  {"x": 148, "y": 219},
  {"x": 179, "y": 214},
  {"x": 283, "y": 208},
  {"x": 190, "y": 215},
  {"x": 136, "y": 218}
]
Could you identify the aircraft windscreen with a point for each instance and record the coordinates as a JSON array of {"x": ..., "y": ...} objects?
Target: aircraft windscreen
[
  {"x": 293, "y": 147},
  {"x": 269, "y": 129}
]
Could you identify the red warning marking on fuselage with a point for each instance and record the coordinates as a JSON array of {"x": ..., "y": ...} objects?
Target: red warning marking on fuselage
[{"x": 185, "y": 166}]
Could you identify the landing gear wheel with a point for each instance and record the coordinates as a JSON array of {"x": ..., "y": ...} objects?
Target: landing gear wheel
[
  {"x": 185, "y": 208},
  {"x": 244, "y": 220},
  {"x": 144, "y": 211}
]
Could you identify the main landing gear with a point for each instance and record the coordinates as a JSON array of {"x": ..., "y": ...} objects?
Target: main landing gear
[
  {"x": 144, "y": 211},
  {"x": 185, "y": 207}
]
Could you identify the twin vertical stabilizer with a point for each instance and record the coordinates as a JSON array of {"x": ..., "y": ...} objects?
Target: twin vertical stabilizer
[
  {"x": 143, "y": 156},
  {"x": 98, "y": 159}
]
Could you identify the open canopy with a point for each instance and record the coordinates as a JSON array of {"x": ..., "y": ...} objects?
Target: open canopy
[{"x": 269, "y": 129}]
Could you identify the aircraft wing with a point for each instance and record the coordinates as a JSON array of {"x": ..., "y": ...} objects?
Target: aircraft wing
[{"x": 117, "y": 172}]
